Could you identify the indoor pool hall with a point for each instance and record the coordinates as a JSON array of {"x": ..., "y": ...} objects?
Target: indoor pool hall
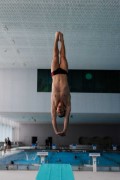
[{"x": 60, "y": 89}]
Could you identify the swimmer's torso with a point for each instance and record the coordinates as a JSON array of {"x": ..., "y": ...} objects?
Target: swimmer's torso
[{"x": 60, "y": 89}]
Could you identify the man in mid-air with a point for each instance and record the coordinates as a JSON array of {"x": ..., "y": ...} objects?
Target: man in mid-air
[{"x": 60, "y": 95}]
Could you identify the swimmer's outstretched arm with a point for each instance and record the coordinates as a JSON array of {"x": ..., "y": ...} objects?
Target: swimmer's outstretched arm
[
  {"x": 53, "y": 114},
  {"x": 66, "y": 119},
  {"x": 66, "y": 122},
  {"x": 54, "y": 126}
]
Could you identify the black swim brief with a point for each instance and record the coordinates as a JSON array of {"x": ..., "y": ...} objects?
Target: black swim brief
[{"x": 59, "y": 71}]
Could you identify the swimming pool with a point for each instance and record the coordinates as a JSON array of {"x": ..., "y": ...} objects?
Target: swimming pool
[{"x": 76, "y": 159}]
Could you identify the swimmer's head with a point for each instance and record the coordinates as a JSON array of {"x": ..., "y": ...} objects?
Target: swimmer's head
[
  {"x": 61, "y": 110},
  {"x": 61, "y": 114}
]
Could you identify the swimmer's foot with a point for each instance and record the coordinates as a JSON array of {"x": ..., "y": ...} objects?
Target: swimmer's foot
[
  {"x": 57, "y": 34},
  {"x": 61, "y": 36}
]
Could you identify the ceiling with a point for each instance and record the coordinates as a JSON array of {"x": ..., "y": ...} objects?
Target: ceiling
[{"x": 91, "y": 31}]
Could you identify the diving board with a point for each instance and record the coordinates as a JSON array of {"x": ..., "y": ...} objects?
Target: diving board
[{"x": 55, "y": 172}]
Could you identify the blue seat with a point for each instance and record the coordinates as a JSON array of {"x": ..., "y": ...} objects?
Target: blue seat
[{"x": 55, "y": 172}]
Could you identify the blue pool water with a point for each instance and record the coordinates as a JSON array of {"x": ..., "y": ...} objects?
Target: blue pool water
[{"x": 73, "y": 158}]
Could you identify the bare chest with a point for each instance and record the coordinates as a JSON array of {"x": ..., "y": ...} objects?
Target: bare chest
[{"x": 60, "y": 97}]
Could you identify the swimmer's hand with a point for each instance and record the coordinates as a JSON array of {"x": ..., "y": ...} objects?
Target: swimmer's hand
[{"x": 61, "y": 133}]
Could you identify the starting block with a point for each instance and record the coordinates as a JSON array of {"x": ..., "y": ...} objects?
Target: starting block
[
  {"x": 94, "y": 157},
  {"x": 42, "y": 156}
]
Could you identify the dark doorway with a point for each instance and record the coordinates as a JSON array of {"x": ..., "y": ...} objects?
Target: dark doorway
[{"x": 34, "y": 139}]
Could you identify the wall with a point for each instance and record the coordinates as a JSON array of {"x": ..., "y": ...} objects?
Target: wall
[
  {"x": 18, "y": 93},
  {"x": 74, "y": 132}
]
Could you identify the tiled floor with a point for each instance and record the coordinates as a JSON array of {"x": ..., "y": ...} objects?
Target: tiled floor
[{"x": 79, "y": 175}]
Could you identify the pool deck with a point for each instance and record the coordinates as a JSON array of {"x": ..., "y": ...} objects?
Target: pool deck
[{"x": 31, "y": 175}]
